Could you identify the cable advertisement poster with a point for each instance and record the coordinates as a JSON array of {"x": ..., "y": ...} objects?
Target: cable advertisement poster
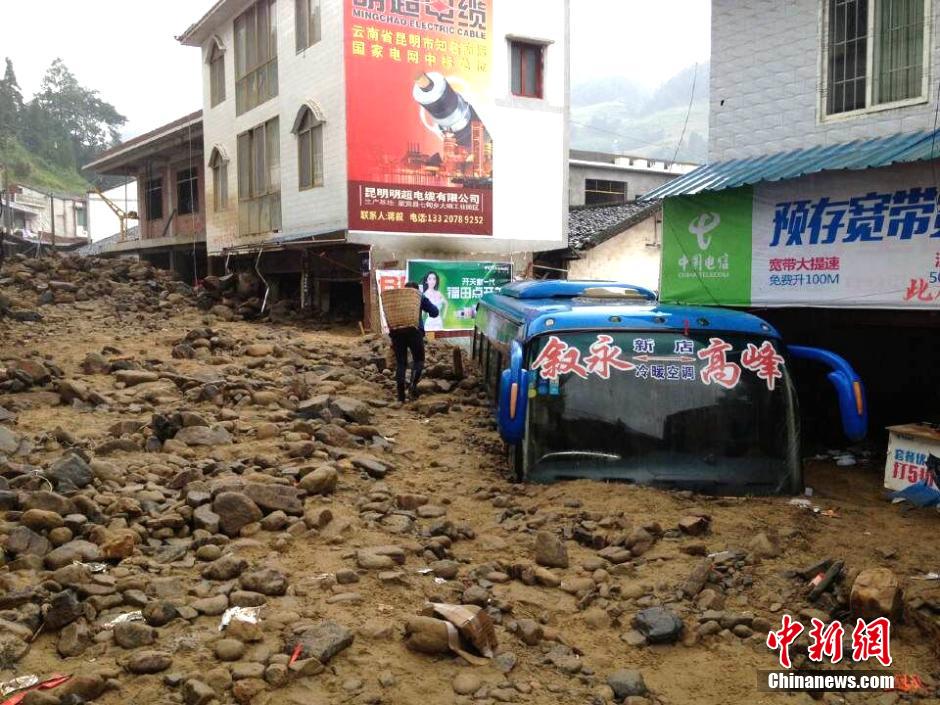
[
  {"x": 420, "y": 155},
  {"x": 860, "y": 240},
  {"x": 456, "y": 288}
]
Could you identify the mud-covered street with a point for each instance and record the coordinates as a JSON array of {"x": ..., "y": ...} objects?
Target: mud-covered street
[{"x": 162, "y": 465}]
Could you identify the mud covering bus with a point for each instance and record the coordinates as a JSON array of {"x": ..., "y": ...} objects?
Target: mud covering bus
[{"x": 599, "y": 380}]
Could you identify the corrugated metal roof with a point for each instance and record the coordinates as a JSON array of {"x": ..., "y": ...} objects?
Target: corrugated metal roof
[{"x": 860, "y": 154}]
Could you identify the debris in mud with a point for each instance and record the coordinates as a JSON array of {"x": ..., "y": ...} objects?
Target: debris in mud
[{"x": 171, "y": 470}]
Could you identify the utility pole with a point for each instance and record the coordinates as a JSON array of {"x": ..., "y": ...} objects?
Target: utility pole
[{"x": 52, "y": 210}]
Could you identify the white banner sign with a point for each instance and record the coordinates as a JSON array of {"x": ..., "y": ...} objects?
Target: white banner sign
[{"x": 386, "y": 279}]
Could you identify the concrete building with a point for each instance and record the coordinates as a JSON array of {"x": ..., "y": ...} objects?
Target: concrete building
[
  {"x": 34, "y": 213},
  {"x": 600, "y": 179},
  {"x": 819, "y": 205},
  {"x": 347, "y": 136},
  {"x": 167, "y": 164}
]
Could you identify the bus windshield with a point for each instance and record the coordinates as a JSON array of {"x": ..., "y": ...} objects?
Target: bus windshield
[{"x": 711, "y": 412}]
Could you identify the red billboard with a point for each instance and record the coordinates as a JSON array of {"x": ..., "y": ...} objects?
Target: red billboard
[{"x": 420, "y": 155}]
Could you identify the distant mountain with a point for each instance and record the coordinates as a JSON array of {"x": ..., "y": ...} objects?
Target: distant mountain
[{"x": 616, "y": 115}]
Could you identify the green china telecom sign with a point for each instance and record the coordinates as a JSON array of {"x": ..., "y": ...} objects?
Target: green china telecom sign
[{"x": 707, "y": 248}]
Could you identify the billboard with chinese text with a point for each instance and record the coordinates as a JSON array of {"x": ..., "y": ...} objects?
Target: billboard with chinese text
[
  {"x": 861, "y": 240},
  {"x": 456, "y": 289},
  {"x": 420, "y": 153}
]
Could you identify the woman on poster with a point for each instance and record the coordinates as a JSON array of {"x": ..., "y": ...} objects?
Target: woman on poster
[{"x": 430, "y": 287}]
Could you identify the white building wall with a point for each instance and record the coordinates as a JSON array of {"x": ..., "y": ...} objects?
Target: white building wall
[
  {"x": 766, "y": 82},
  {"x": 316, "y": 74},
  {"x": 102, "y": 221},
  {"x": 633, "y": 256},
  {"x": 530, "y": 136},
  {"x": 638, "y": 182}
]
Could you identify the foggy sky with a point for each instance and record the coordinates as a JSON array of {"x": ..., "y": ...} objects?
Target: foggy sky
[{"x": 126, "y": 48}]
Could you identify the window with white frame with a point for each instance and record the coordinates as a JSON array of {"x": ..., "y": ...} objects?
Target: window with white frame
[
  {"x": 307, "y": 23},
  {"x": 309, "y": 132},
  {"x": 259, "y": 179},
  {"x": 875, "y": 53},
  {"x": 219, "y": 166},
  {"x": 216, "y": 74},
  {"x": 256, "y": 79}
]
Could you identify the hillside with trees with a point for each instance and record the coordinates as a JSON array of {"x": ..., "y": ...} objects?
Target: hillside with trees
[{"x": 45, "y": 141}]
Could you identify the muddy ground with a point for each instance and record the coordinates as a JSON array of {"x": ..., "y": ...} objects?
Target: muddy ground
[{"x": 435, "y": 487}]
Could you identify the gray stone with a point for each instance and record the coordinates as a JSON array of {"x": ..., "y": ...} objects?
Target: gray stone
[
  {"x": 227, "y": 567},
  {"x": 205, "y": 518},
  {"x": 159, "y": 612},
  {"x": 148, "y": 662},
  {"x": 9, "y": 442},
  {"x": 23, "y": 541},
  {"x": 196, "y": 692},
  {"x": 550, "y": 550},
  {"x": 204, "y": 436},
  {"x": 626, "y": 683},
  {"x": 73, "y": 639},
  {"x": 313, "y": 407},
  {"x": 467, "y": 683},
  {"x": 324, "y": 640},
  {"x": 133, "y": 635},
  {"x": 271, "y": 497},
  {"x": 211, "y": 606},
  {"x": 372, "y": 467},
  {"x": 266, "y": 581},
  {"x": 64, "y": 608},
  {"x": 235, "y": 510},
  {"x": 70, "y": 473},
  {"x": 228, "y": 649},
  {"x": 78, "y": 550},
  {"x": 351, "y": 409},
  {"x": 321, "y": 481},
  {"x": 132, "y": 378},
  {"x": 659, "y": 625}
]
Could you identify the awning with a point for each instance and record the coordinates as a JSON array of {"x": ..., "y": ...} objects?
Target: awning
[{"x": 861, "y": 154}]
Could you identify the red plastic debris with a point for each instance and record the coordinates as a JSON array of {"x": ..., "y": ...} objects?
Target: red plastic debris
[{"x": 52, "y": 682}]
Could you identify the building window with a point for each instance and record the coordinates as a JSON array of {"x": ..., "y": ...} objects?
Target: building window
[
  {"x": 259, "y": 179},
  {"x": 80, "y": 219},
  {"x": 309, "y": 132},
  {"x": 219, "y": 167},
  {"x": 875, "y": 53},
  {"x": 187, "y": 191},
  {"x": 216, "y": 74},
  {"x": 527, "y": 63},
  {"x": 256, "y": 56},
  {"x": 154, "y": 195},
  {"x": 307, "y": 24},
  {"x": 598, "y": 192}
]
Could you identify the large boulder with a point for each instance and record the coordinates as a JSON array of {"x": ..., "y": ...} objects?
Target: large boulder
[
  {"x": 875, "y": 593},
  {"x": 235, "y": 510}
]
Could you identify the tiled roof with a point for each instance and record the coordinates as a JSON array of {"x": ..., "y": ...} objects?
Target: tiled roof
[{"x": 591, "y": 225}]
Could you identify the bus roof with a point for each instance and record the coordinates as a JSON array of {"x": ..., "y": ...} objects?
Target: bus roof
[{"x": 545, "y": 306}]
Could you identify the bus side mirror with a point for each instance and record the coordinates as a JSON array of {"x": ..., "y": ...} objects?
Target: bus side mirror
[
  {"x": 513, "y": 397},
  {"x": 849, "y": 389}
]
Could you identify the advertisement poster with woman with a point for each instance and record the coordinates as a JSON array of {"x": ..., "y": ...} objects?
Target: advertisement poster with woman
[{"x": 456, "y": 288}]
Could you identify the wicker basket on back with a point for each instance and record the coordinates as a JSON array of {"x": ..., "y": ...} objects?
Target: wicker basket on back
[{"x": 402, "y": 308}]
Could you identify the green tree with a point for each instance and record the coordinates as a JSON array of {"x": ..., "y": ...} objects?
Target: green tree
[
  {"x": 11, "y": 104},
  {"x": 67, "y": 111}
]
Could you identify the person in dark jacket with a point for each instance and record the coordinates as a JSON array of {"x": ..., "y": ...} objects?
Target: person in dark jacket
[{"x": 411, "y": 339}]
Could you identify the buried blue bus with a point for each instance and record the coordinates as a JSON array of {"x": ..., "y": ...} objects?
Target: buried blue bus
[{"x": 599, "y": 380}]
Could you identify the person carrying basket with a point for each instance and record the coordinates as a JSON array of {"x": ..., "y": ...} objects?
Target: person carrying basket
[{"x": 403, "y": 309}]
